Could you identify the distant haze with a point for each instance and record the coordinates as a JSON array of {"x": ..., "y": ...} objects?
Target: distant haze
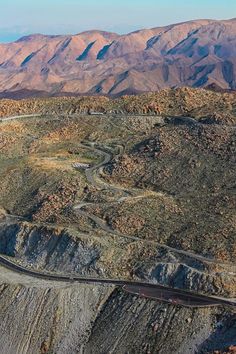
[
  {"x": 22, "y": 17},
  {"x": 200, "y": 53}
]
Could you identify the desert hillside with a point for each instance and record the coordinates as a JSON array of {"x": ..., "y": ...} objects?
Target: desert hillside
[
  {"x": 199, "y": 103},
  {"x": 154, "y": 201},
  {"x": 196, "y": 53}
]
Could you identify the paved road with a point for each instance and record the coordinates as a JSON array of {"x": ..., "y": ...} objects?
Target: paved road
[
  {"x": 6, "y": 119},
  {"x": 158, "y": 292},
  {"x": 92, "y": 173},
  {"x": 92, "y": 176},
  {"x": 153, "y": 291}
]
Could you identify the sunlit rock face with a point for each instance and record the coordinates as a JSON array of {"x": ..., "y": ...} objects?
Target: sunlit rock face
[{"x": 198, "y": 53}]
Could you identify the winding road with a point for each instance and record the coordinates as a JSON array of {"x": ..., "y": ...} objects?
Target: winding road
[
  {"x": 143, "y": 289},
  {"x": 92, "y": 175}
]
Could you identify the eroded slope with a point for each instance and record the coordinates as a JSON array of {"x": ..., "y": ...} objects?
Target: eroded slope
[{"x": 170, "y": 182}]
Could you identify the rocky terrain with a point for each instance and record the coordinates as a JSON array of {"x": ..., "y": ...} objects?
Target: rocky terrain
[
  {"x": 197, "y": 53},
  {"x": 161, "y": 209},
  {"x": 201, "y": 104}
]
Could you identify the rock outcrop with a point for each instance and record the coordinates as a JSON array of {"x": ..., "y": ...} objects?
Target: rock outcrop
[{"x": 196, "y": 53}]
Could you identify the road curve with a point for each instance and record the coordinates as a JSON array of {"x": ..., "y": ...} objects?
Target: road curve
[
  {"x": 142, "y": 289},
  {"x": 153, "y": 291},
  {"x": 128, "y": 195}
]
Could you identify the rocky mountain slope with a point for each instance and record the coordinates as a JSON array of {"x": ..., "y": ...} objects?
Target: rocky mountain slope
[
  {"x": 180, "y": 175},
  {"x": 197, "y": 53},
  {"x": 198, "y": 103}
]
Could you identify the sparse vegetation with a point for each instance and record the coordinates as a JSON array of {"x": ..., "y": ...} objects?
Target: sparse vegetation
[
  {"x": 202, "y": 104},
  {"x": 170, "y": 181}
]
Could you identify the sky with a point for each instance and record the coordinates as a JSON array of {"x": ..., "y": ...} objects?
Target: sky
[{"x": 22, "y": 17}]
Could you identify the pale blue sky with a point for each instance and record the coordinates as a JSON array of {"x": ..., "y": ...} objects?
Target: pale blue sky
[{"x": 20, "y": 17}]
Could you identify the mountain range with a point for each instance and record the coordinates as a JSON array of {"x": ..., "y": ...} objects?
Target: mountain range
[{"x": 199, "y": 53}]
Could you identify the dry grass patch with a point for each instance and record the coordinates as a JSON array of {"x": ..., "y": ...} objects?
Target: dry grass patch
[{"x": 61, "y": 160}]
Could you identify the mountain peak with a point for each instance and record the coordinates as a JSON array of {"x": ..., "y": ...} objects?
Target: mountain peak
[
  {"x": 36, "y": 37},
  {"x": 197, "y": 53}
]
